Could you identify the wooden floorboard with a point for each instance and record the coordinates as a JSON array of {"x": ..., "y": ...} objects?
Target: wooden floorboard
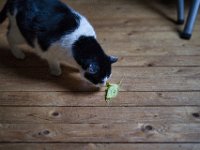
[
  {"x": 158, "y": 106},
  {"x": 117, "y": 133},
  {"x": 99, "y": 115},
  {"x": 90, "y": 99},
  {"x": 91, "y": 146},
  {"x": 94, "y": 146},
  {"x": 135, "y": 79},
  {"x": 7, "y": 60}
]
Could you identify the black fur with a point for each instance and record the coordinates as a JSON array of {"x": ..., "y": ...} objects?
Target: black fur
[
  {"x": 87, "y": 51},
  {"x": 44, "y": 20}
]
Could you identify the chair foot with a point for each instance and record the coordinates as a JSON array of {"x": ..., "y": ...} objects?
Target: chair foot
[
  {"x": 186, "y": 36},
  {"x": 180, "y": 22}
]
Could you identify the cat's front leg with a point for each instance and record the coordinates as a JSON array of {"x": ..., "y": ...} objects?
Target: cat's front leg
[
  {"x": 17, "y": 53},
  {"x": 55, "y": 68},
  {"x": 14, "y": 42}
]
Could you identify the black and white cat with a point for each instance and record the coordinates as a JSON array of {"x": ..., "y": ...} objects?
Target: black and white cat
[{"x": 58, "y": 34}]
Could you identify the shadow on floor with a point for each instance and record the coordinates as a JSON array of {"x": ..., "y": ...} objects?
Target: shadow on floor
[
  {"x": 36, "y": 70},
  {"x": 164, "y": 8}
]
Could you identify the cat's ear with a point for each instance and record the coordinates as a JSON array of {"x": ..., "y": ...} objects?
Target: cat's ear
[
  {"x": 113, "y": 59},
  {"x": 93, "y": 68}
]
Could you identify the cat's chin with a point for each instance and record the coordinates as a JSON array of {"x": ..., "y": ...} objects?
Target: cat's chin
[{"x": 99, "y": 85}]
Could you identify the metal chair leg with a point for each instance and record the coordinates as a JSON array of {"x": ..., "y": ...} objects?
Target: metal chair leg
[
  {"x": 181, "y": 9},
  {"x": 187, "y": 33}
]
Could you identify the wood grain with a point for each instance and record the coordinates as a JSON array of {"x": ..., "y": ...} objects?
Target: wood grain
[
  {"x": 133, "y": 132},
  {"x": 159, "y": 61},
  {"x": 136, "y": 79},
  {"x": 94, "y": 146},
  {"x": 8, "y": 60},
  {"x": 136, "y": 48},
  {"x": 98, "y": 115},
  {"x": 85, "y": 99}
]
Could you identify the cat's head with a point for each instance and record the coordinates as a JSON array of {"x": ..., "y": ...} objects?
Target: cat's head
[{"x": 95, "y": 65}]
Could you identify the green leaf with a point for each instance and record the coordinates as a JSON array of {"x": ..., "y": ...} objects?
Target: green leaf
[{"x": 112, "y": 90}]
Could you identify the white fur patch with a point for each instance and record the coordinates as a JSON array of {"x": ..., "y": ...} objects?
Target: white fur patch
[
  {"x": 84, "y": 29},
  {"x": 105, "y": 80},
  {"x": 14, "y": 37},
  {"x": 14, "y": 33}
]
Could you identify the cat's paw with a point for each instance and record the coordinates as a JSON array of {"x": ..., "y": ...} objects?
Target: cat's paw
[
  {"x": 19, "y": 55},
  {"x": 56, "y": 72}
]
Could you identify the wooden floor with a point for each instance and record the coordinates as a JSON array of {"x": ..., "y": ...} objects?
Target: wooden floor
[{"x": 159, "y": 103}]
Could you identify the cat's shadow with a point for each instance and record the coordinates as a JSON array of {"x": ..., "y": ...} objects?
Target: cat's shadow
[
  {"x": 166, "y": 9},
  {"x": 34, "y": 69},
  {"x": 162, "y": 8}
]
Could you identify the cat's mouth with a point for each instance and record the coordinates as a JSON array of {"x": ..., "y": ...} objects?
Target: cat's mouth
[
  {"x": 97, "y": 84},
  {"x": 104, "y": 81},
  {"x": 102, "y": 84},
  {"x": 91, "y": 79}
]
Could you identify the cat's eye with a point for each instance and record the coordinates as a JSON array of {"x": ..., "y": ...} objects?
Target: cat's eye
[{"x": 93, "y": 69}]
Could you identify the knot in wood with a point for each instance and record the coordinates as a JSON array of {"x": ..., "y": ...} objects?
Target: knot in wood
[
  {"x": 147, "y": 128},
  {"x": 46, "y": 132},
  {"x": 55, "y": 114},
  {"x": 196, "y": 115}
]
